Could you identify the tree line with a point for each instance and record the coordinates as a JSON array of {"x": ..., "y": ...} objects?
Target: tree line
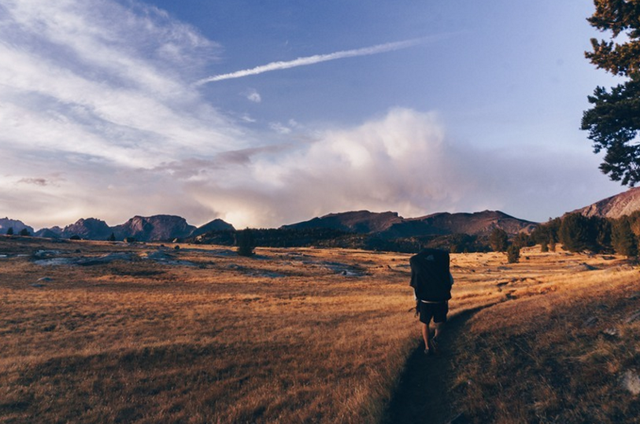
[
  {"x": 579, "y": 233},
  {"x": 576, "y": 233}
]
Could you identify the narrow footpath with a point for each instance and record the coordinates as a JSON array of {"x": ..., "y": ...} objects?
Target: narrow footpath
[{"x": 422, "y": 393}]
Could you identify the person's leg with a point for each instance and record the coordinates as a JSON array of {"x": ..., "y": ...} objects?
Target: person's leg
[
  {"x": 435, "y": 340},
  {"x": 439, "y": 319},
  {"x": 438, "y": 329},
  {"x": 426, "y": 337}
]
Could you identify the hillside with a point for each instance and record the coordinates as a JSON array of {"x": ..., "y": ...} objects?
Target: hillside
[
  {"x": 479, "y": 223},
  {"x": 364, "y": 222},
  {"x": 615, "y": 206},
  {"x": 391, "y": 225}
]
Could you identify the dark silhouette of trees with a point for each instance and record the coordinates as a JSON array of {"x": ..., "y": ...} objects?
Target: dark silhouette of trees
[
  {"x": 10, "y": 231},
  {"x": 245, "y": 242},
  {"x": 523, "y": 240},
  {"x": 623, "y": 240},
  {"x": 613, "y": 121},
  {"x": 513, "y": 254},
  {"x": 24, "y": 232},
  {"x": 499, "y": 240},
  {"x": 577, "y": 233}
]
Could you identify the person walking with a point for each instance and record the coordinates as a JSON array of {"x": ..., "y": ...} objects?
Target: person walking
[{"x": 431, "y": 281}]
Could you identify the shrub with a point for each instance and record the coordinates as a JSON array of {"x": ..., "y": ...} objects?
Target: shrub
[
  {"x": 513, "y": 254},
  {"x": 245, "y": 242}
]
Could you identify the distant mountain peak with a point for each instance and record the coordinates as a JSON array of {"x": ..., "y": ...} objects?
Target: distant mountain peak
[
  {"x": 16, "y": 224},
  {"x": 614, "y": 207}
]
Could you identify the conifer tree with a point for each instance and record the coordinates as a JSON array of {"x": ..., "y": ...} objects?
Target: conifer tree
[
  {"x": 10, "y": 231},
  {"x": 614, "y": 120},
  {"x": 622, "y": 238},
  {"x": 513, "y": 254},
  {"x": 245, "y": 242},
  {"x": 499, "y": 240},
  {"x": 577, "y": 233}
]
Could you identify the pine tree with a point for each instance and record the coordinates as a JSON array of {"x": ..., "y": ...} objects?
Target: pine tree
[
  {"x": 544, "y": 247},
  {"x": 622, "y": 238},
  {"x": 577, "y": 233},
  {"x": 10, "y": 231},
  {"x": 513, "y": 254},
  {"x": 245, "y": 242},
  {"x": 499, "y": 240},
  {"x": 614, "y": 120}
]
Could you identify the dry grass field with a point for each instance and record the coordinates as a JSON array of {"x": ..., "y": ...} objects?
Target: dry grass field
[{"x": 111, "y": 332}]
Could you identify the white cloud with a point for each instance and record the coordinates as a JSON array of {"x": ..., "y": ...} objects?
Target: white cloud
[
  {"x": 280, "y": 128},
  {"x": 96, "y": 79},
  {"x": 253, "y": 96},
  {"x": 401, "y": 162}
]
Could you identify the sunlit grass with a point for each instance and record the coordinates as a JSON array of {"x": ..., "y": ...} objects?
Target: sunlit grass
[{"x": 300, "y": 335}]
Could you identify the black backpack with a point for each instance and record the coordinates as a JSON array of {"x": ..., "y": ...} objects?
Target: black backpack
[{"x": 430, "y": 275}]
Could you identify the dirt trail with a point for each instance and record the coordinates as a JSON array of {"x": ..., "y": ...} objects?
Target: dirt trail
[{"x": 421, "y": 395}]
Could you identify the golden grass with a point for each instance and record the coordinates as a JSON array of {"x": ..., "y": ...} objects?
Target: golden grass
[
  {"x": 546, "y": 355},
  {"x": 286, "y": 337}
]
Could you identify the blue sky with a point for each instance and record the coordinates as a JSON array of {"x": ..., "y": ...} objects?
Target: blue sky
[{"x": 455, "y": 106}]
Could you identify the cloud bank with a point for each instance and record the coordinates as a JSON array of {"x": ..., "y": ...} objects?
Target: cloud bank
[
  {"x": 403, "y": 161},
  {"x": 312, "y": 60}
]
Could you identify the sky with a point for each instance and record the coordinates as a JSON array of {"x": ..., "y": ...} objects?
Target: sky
[{"x": 265, "y": 113}]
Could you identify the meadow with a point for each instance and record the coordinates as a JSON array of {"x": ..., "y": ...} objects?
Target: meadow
[{"x": 147, "y": 333}]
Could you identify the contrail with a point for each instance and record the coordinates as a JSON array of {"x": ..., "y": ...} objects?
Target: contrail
[{"x": 311, "y": 60}]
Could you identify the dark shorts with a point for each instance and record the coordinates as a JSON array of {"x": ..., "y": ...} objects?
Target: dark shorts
[{"x": 437, "y": 311}]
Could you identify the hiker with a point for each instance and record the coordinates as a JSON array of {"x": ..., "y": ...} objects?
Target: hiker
[{"x": 431, "y": 282}]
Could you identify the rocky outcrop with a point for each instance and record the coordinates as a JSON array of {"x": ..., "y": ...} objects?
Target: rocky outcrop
[
  {"x": 154, "y": 228},
  {"x": 615, "y": 206},
  {"x": 90, "y": 229},
  {"x": 17, "y": 225}
]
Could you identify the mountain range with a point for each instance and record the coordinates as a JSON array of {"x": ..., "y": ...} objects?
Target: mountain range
[
  {"x": 385, "y": 225},
  {"x": 152, "y": 228},
  {"x": 391, "y": 225}
]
